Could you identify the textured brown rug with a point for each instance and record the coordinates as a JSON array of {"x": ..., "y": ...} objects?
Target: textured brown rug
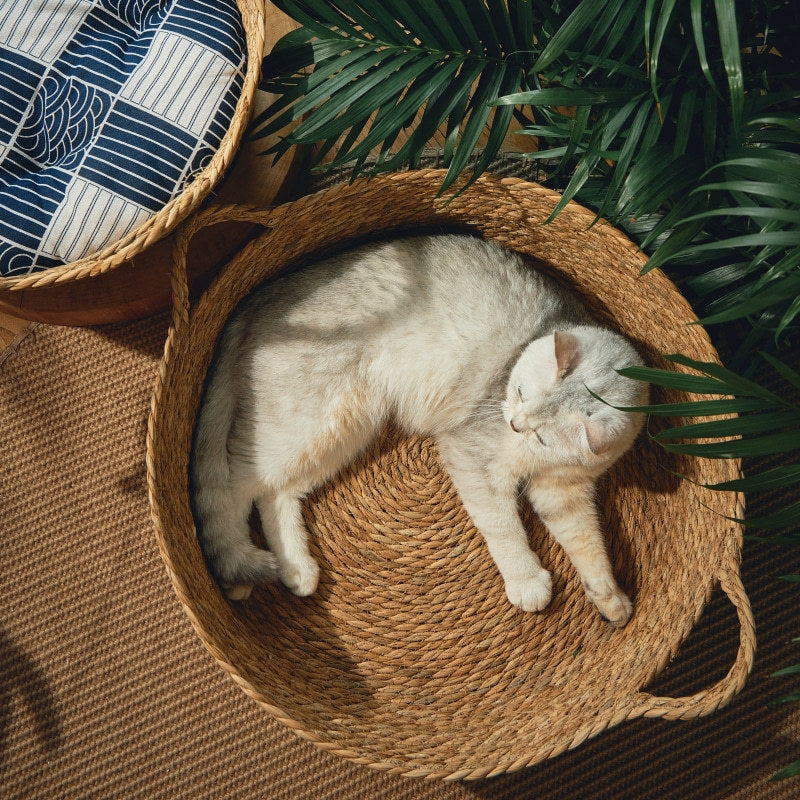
[{"x": 106, "y": 692}]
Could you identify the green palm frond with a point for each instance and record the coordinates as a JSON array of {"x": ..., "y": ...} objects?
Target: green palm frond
[
  {"x": 743, "y": 419},
  {"x": 681, "y": 114},
  {"x": 790, "y": 771},
  {"x": 375, "y": 73},
  {"x": 747, "y": 421}
]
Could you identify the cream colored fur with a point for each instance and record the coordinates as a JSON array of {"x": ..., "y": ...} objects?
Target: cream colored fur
[{"x": 451, "y": 337}]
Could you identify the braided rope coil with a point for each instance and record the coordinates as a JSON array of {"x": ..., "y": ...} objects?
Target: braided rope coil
[{"x": 408, "y": 658}]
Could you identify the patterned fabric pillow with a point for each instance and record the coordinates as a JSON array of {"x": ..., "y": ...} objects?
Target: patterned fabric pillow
[{"x": 107, "y": 109}]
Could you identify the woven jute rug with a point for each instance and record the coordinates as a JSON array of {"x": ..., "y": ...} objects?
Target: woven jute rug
[{"x": 106, "y": 691}]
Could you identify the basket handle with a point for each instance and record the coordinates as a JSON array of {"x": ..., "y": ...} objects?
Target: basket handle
[
  {"x": 210, "y": 215},
  {"x": 709, "y": 700}
]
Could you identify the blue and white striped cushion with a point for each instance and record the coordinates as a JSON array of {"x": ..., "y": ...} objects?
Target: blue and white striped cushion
[{"x": 107, "y": 109}]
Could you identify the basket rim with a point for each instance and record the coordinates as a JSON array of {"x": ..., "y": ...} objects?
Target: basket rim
[
  {"x": 638, "y": 704},
  {"x": 169, "y": 216}
]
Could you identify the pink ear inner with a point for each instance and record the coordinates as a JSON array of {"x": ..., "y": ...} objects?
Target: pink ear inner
[{"x": 566, "y": 348}]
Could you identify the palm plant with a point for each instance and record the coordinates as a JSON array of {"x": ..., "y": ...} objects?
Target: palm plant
[
  {"x": 679, "y": 122},
  {"x": 683, "y": 115}
]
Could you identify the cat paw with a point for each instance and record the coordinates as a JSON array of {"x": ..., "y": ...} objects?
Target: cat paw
[
  {"x": 301, "y": 578},
  {"x": 615, "y": 608},
  {"x": 237, "y": 592},
  {"x": 242, "y": 570},
  {"x": 531, "y": 592}
]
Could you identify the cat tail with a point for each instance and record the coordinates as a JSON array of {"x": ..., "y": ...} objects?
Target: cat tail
[{"x": 220, "y": 509}]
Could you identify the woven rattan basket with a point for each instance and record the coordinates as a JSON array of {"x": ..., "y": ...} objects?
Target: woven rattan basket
[
  {"x": 408, "y": 657},
  {"x": 78, "y": 286}
]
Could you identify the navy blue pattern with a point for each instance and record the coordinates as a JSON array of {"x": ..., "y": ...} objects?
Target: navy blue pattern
[
  {"x": 29, "y": 197},
  {"x": 21, "y": 76},
  {"x": 63, "y": 120},
  {"x": 131, "y": 160},
  {"x": 102, "y": 52},
  {"x": 207, "y": 24},
  {"x": 107, "y": 108}
]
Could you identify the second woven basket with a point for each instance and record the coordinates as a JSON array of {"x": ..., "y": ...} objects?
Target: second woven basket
[
  {"x": 107, "y": 285},
  {"x": 408, "y": 658}
]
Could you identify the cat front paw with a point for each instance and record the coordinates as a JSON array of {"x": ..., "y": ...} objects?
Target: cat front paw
[
  {"x": 531, "y": 592},
  {"x": 301, "y": 577},
  {"x": 614, "y": 606}
]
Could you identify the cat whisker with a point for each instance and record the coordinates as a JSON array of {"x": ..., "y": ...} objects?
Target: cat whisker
[
  {"x": 485, "y": 411},
  {"x": 487, "y": 406}
]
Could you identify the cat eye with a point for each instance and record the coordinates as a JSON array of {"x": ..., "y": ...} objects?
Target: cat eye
[{"x": 519, "y": 392}]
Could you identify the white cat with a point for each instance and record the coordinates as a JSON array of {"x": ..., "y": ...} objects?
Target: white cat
[{"x": 450, "y": 336}]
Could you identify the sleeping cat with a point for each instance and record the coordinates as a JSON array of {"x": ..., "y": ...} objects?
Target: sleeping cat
[{"x": 451, "y": 337}]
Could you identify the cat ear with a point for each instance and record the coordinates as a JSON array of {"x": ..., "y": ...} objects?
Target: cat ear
[
  {"x": 567, "y": 350},
  {"x": 599, "y": 435}
]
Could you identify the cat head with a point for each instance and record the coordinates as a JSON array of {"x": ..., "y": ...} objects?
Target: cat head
[{"x": 549, "y": 405}]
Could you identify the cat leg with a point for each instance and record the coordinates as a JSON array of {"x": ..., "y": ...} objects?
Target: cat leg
[
  {"x": 570, "y": 515},
  {"x": 234, "y": 560},
  {"x": 492, "y": 505},
  {"x": 287, "y": 536}
]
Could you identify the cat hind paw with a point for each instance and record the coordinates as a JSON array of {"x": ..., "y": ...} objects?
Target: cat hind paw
[
  {"x": 615, "y": 608},
  {"x": 237, "y": 592},
  {"x": 248, "y": 569}
]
